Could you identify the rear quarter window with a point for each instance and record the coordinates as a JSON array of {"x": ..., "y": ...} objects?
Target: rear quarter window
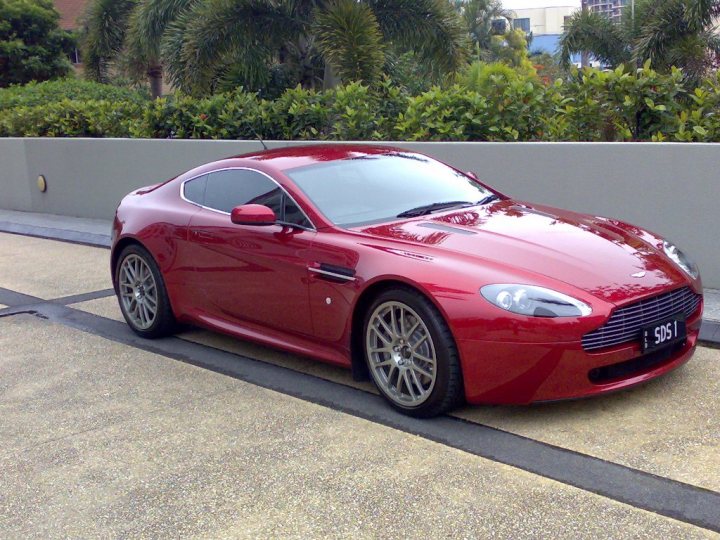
[{"x": 194, "y": 190}]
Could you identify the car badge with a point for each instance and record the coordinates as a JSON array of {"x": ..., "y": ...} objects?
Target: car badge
[{"x": 639, "y": 274}]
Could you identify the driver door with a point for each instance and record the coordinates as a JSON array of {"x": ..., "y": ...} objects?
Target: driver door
[{"x": 254, "y": 274}]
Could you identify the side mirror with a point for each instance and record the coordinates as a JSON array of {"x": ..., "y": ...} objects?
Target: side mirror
[{"x": 253, "y": 214}]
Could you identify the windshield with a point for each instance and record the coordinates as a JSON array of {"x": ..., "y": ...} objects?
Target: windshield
[{"x": 373, "y": 189}]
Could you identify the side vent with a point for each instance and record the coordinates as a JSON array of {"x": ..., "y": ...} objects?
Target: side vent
[{"x": 336, "y": 274}]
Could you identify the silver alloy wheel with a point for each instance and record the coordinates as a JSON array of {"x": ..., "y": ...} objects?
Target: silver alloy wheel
[
  {"x": 401, "y": 354},
  {"x": 138, "y": 291}
]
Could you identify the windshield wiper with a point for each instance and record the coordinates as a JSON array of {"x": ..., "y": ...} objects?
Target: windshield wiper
[
  {"x": 434, "y": 207},
  {"x": 490, "y": 198}
]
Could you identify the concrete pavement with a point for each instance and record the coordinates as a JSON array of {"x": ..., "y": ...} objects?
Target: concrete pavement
[
  {"x": 104, "y": 441},
  {"x": 667, "y": 427},
  {"x": 102, "y": 438}
]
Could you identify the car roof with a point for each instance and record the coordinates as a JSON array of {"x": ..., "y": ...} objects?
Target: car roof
[{"x": 292, "y": 157}]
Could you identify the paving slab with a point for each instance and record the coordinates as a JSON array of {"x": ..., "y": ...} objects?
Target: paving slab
[
  {"x": 52, "y": 385},
  {"x": 108, "y": 308},
  {"x": 667, "y": 427},
  {"x": 104, "y": 307},
  {"x": 712, "y": 305},
  {"x": 56, "y": 222},
  {"x": 50, "y": 269},
  {"x": 206, "y": 455}
]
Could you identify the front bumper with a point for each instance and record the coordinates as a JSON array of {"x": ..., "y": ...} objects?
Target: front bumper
[{"x": 522, "y": 373}]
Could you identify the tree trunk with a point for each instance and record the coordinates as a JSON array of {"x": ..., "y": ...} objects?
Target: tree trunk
[
  {"x": 584, "y": 57},
  {"x": 330, "y": 80},
  {"x": 155, "y": 74}
]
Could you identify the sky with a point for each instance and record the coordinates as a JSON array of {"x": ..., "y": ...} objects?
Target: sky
[{"x": 521, "y": 4}]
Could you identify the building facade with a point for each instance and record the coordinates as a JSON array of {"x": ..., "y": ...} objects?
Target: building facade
[
  {"x": 71, "y": 12},
  {"x": 545, "y": 24},
  {"x": 609, "y": 8}
]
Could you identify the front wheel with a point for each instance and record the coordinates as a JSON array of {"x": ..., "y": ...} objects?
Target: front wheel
[
  {"x": 411, "y": 354},
  {"x": 142, "y": 295}
]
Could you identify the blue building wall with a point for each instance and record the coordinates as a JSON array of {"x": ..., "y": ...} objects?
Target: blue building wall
[{"x": 549, "y": 43}]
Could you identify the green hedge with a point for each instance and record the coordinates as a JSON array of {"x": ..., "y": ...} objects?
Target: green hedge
[
  {"x": 37, "y": 94},
  {"x": 591, "y": 106}
]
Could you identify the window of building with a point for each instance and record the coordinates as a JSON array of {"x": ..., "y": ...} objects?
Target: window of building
[
  {"x": 499, "y": 26},
  {"x": 522, "y": 24},
  {"x": 75, "y": 56}
]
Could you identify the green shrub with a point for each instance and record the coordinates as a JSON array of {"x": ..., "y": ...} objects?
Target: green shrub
[
  {"x": 32, "y": 47},
  {"x": 297, "y": 114},
  {"x": 222, "y": 116},
  {"x": 700, "y": 122},
  {"x": 487, "y": 78},
  {"x": 455, "y": 114},
  {"x": 70, "y": 118},
  {"x": 34, "y": 94},
  {"x": 459, "y": 114},
  {"x": 620, "y": 106},
  {"x": 591, "y": 105}
]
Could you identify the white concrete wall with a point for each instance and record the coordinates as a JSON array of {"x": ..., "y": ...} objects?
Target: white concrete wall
[
  {"x": 546, "y": 20},
  {"x": 672, "y": 189}
]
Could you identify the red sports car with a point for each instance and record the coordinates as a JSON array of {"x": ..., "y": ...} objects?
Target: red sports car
[{"x": 405, "y": 269}]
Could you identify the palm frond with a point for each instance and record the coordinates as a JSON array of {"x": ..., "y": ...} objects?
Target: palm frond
[
  {"x": 666, "y": 24},
  {"x": 147, "y": 25},
  {"x": 431, "y": 28},
  {"x": 105, "y": 24},
  {"x": 199, "y": 44},
  {"x": 702, "y": 13},
  {"x": 592, "y": 33},
  {"x": 349, "y": 37},
  {"x": 479, "y": 15}
]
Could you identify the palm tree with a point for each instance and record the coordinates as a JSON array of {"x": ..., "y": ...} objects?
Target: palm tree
[
  {"x": 202, "y": 43},
  {"x": 589, "y": 32},
  {"x": 104, "y": 35},
  {"x": 147, "y": 25},
  {"x": 348, "y": 36},
  {"x": 478, "y": 16},
  {"x": 669, "y": 33}
]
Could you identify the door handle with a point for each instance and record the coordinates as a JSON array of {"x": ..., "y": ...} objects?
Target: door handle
[{"x": 201, "y": 235}]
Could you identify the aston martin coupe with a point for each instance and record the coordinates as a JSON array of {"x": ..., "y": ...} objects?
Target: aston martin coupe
[{"x": 407, "y": 271}]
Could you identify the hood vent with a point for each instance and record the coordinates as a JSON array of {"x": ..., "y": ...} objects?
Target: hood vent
[
  {"x": 445, "y": 228},
  {"x": 530, "y": 210}
]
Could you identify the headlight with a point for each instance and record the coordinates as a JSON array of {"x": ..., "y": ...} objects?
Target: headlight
[
  {"x": 534, "y": 301},
  {"x": 682, "y": 260}
]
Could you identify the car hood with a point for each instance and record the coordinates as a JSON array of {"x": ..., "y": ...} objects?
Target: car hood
[{"x": 607, "y": 259}]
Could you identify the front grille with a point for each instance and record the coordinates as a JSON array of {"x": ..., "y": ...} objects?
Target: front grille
[{"x": 625, "y": 324}]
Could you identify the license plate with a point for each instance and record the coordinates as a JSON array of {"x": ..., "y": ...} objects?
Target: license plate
[{"x": 663, "y": 333}]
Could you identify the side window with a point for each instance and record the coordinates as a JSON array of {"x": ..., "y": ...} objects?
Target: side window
[
  {"x": 228, "y": 189},
  {"x": 294, "y": 215},
  {"x": 194, "y": 190}
]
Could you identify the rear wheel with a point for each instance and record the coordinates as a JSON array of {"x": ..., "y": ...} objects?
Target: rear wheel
[
  {"x": 142, "y": 295},
  {"x": 411, "y": 354}
]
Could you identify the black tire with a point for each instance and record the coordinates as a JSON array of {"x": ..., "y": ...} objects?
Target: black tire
[
  {"x": 163, "y": 323},
  {"x": 447, "y": 390}
]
